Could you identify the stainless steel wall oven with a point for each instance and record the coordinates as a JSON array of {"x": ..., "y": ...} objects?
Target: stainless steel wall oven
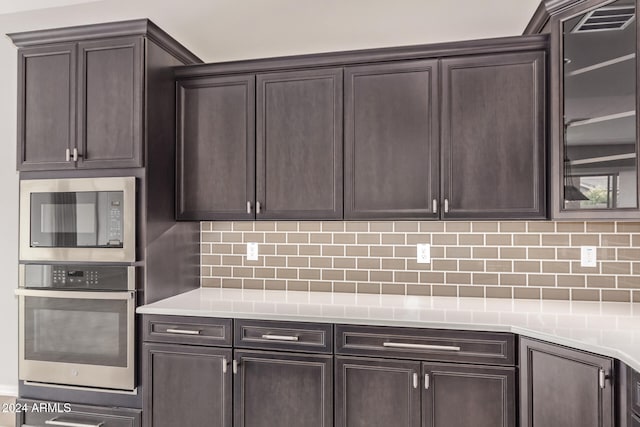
[{"x": 77, "y": 325}]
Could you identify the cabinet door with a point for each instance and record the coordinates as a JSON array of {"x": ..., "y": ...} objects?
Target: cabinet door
[
  {"x": 377, "y": 393},
  {"x": 299, "y": 145},
  {"x": 187, "y": 386},
  {"x": 493, "y": 136},
  {"x": 46, "y": 106},
  {"x": 110, "y": 103},
  {"x": 391, "y": 141},
  {"x": 216, "y": 148},
  {"x": 564, "y": 387},
  {"x": 468, "y": 396},
  {"x": 283, "y": 389}
]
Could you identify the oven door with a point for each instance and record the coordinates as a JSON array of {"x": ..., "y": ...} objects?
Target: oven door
[
  {"x": 77, "y": 338},
  {"x": 78, "y": 219}
]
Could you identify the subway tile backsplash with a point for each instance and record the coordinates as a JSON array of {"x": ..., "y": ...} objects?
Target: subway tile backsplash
[{"x": 514, "y": 259}]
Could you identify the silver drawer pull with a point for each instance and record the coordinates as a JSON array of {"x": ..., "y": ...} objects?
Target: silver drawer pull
[
  {"x": 420, "y": 346},
  {"x": 183, "y": 331},
  {"x": 57, "y": 422},
  {"x": 280, "y": 337}
]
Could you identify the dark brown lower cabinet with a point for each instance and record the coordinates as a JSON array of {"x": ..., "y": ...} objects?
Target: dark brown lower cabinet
[
  {"x": 282, "y": 389},
  {"x": 377, "y": 392},
  {"x": 381, "y": 393},
  {"x": 468, "y": 396},
  {"x": 187, "y": 386},
  {"x": 563, "y": 387},
  {"x": 39, "y": 413},
  {"x": 634, "y": 420}
]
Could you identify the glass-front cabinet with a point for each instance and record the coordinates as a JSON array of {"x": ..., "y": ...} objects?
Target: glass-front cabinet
[{"x": 594, "y": 104}]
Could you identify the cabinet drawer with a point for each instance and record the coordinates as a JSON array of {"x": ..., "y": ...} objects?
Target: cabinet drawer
[
  {"x": 635, "y": 392},
  {"x": 56, "y": 414},
  {"x": 314, "y": 337},
  {"x": 187, "y": 330},
  {"x": 426, "y": 344}
]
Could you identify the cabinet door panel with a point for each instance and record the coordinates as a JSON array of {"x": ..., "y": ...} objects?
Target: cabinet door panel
[
  {"x": 283, "y": 389},
  {"x": 376, "y": 393},
  {"x": 493, "y": 136},
  {"x": 299, "y": 144},
  {"x": 187, "y": 386},
  {"x": 110, "y": 103},
  {"x": 391, "y": 141},
  {"x": 561, "y": 387},
  {"x": 469, "y": 396},
  {"x": 46, "y": 106},
  {"x": 216, "y": 148}
]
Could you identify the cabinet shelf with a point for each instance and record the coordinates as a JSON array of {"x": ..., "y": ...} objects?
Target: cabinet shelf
[
  {"x": 600, "y": 119},
  {"x": 600, "y": 65}
]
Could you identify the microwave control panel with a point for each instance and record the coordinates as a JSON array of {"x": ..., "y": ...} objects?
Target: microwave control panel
[{"x": 115, "y": 219}]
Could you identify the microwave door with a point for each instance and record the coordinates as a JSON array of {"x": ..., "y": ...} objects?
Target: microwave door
[
  {"x": 53, "y": 220},
  {"x": 87, "y": 219}
]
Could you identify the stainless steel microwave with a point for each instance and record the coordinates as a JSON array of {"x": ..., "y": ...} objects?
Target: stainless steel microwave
[{"x": 78, "y": 219}]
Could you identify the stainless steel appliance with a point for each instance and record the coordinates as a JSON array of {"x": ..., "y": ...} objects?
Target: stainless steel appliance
[
  {"x": 77, "y": 325},
  {"x": 76, "y": 220}
]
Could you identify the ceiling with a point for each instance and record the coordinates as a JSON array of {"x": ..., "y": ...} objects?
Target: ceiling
[{"x": 218, "y": 30}]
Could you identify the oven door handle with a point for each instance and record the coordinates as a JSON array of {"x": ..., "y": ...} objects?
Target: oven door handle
[
  {"x": 57, "y": 421},
  {"x": 75, "y": 294}
]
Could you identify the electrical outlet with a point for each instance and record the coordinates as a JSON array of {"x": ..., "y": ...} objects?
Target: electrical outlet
[
  {"x": 588, "y": 256},
  {"x": 423, "y": 255},
  {"x": 252, "y": 251}
]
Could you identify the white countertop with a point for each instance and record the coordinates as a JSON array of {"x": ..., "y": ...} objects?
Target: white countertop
[{"x": 607, "y": 328}]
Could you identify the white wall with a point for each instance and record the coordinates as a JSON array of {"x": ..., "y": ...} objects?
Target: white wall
[
  {"x": 8, "y": 223},
  {"x": 218, "y": 30}
]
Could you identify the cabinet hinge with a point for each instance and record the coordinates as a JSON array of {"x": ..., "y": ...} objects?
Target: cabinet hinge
[{"x": 602, "y": 377}]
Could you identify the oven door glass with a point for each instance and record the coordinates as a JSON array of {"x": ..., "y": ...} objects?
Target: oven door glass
[
  {"x": 90, "y": 219},
  {"x": 71, "y": 330}
]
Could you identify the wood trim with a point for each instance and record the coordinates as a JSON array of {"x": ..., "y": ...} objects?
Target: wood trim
[
  {"x": 438, "y": 50},
  {"x": 141, "y": 27}
]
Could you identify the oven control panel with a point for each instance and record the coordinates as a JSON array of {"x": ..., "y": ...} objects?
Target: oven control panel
[{"x": 80, "y": 277}]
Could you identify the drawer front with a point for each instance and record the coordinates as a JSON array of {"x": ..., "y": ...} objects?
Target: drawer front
[
  {"x": 188, "y": 330},
  {"x": 635, "y": 393},
  {"x": 59, "y": 415},
  {"x": 426, "y": 344},
  {"x": 293, "y": 336}
]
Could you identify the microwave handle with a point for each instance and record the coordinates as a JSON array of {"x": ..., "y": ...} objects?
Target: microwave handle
[
  {"x": 75, "y": 294},
  {"x": 57, "y": 421}
]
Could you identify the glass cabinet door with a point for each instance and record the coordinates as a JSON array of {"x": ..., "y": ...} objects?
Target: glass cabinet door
[{"x": 600, "y": 126}]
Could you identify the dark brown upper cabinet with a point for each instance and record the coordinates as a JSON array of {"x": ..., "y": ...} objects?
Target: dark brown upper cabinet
[
  {"x": 299, "y": 145},
  {"x": 455, "y": 127},
  {"x": 391, "y": 141},
  {"x": 260, "y": 147},
  {"x": 493, "y": 136},
  {"x": 216, "y": 148},
  {"x": 82, "y": 94},
  {"x": 47, "y": 90},
  {"x": 593, "y": 108},
  {"x": 564, "y": 387},
  {"x": 80, "y": 105},
  {"x": 110, "y": 93}
]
